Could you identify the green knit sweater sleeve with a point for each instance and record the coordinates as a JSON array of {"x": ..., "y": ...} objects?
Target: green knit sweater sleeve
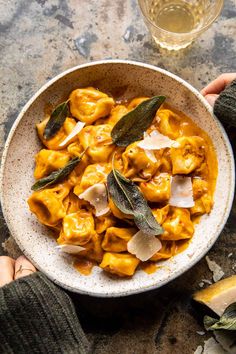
[
  {"x": 225, "y": 105},
  {"x": 36, "y": 316}
]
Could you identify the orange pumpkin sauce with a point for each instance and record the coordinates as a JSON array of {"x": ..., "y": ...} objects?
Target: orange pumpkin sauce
[
  {"x": 84, "y": 266},
  {"x": 149, "y": 267}
]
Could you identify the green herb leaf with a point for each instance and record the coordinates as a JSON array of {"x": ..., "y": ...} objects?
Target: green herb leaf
[
  {"x": 57, "y": 176},
  {"x": 56, "y": 120},
  {"x": 226, "y": 321},
  {"x": 132, "y": 125},
  {"x": 128, "y": 199}
]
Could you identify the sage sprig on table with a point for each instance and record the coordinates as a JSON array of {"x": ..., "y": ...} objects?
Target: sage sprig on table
[
  {"x": 57, "y": 176},
  {"x": 226, "y": 321},
  {"x": 128, "y": 199},
  {"x": 56, "y": 120},
  {"x": 132, "y": 125}
]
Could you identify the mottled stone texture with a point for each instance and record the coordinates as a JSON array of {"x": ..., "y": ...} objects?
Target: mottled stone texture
[{"x": 41, "y": 38}]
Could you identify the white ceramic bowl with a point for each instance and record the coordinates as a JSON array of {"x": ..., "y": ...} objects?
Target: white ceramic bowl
[{"x": 122, "y": 79}]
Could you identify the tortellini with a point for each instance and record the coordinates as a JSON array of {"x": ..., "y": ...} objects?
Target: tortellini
[
  {"x": 89, "y": 104},
  {"x": 59, "y": 137},
  {"x": 157, "y": 189},
  {"x": 203, "y": 205},
  {"x": 102, "y": 223},
  {"x": 93, "y": 250},
  {"x": 202, "y": 198},
  {"x": 77, "y": 228},
  {"x": 75, "y": 149},
  {"x": 168, "y": 123},
  {"x": 136, "y": 101},
  {"x": 97, "y": 140},
  {"x": 188, "y": 156},
  {"x": 137, "y": 163},
  {"x": 178, "y": 225},
  {"x": 72, "y": 203},
  {"x": 122, "y": 264},
  {"x": 48, "y": 161},
  {"x": 116, "y": 238},
  {"x": 47, "y": 204},
  {"x": 96, "y": 173},
  {"x": 168, "y": 249},
  {"x": 105, "y": 240},
  {"x": 161, "y": 214},
  {"x": 116, "y": 113}
]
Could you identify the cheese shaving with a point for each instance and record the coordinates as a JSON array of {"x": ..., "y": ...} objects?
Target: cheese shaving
[
  {"x": 156, "y": 141},
  {"x": 201, "y": 333},
  {"x": 215, "y": 268},
  {"x": 96, "y": 195},
  {"x": 71, "y": 249},
  {"x": 211, "y": 346},
  {"x": 78, "y": 127},
  {"x": 143, "y": 246},
  {"x": 198, "y": 350},
  {"x": 227, "y": 340},
  {"x": 150, "y": 155},
  {"x": 181, "y": 192}
]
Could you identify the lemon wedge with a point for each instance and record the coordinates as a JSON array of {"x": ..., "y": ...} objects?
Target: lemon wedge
[{"x": 218, "y": 296}]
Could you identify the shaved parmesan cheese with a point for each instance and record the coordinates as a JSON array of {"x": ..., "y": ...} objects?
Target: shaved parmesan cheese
[
  {"x": 211, "y": 346},
  {"x": 143, "y": 246},
  {"x": 71, "y": 249},
  {"x": 150, "y": 155},
  {"x": 201, "y": 333},
  {"x": 156, "y": 141},
  {"x": 207, "y": 281},
  {"x": 78, "y": 127},
  {"x": 227, "y": 340},
  {"x": 198, "y": 350},
  {"x": 96, "y": 195},
  {"x": 215, "y": 268},
  {"x": 181, "y": 192}
]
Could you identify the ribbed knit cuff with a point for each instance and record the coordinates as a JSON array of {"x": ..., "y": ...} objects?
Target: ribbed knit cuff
[
  {"x": 38, "y": 317},
  {"x": 225, "y": 105}
]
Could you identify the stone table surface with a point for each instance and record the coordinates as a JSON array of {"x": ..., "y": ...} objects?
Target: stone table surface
[{"x": 40, "y": 39}]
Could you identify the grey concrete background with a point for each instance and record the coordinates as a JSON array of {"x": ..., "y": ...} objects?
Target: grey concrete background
[{"x": 40, "y": 39}]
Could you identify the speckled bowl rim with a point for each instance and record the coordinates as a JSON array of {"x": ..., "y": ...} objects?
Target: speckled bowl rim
[{"x": 227, "y": 207}]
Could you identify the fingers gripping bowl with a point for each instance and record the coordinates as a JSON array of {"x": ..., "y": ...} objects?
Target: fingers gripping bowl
[{"x": 123, "y": 81}]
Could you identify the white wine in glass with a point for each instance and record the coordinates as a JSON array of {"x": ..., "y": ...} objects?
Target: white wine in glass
[{"x": 174, "y": 24}]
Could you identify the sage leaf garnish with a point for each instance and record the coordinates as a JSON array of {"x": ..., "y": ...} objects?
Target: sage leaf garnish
[
  {"x": 56, "y": 120},
  {"x": 226, "y": 321},
  {"x": 128, "y": 199},
  {"x": 132, "y": 125},
  {"x": 57, "y": 176}
]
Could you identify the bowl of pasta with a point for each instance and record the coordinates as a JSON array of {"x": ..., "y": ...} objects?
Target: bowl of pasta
[{"x": 116, "y": 178}]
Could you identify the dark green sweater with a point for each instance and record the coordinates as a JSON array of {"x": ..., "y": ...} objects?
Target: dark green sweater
[
  {"x": 36, "y": 316},
  {"x": 225, "y": 105}
]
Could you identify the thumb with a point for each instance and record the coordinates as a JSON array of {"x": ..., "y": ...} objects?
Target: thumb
[{"x": 211, "y": 98}]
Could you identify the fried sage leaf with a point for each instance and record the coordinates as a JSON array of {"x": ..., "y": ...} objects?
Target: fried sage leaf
[
  {"x": 57, "y": 176},
  {"x": 132, "y": 125},
  {"x": 56, "y": 120},
  {"x": 128, "y": 199},
  {"x": 226, "y": 321}
]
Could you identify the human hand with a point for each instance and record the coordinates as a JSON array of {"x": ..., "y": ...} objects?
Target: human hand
[
  {"x": 11, "y": 270},
  {"x": 212, "y": 91}
]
